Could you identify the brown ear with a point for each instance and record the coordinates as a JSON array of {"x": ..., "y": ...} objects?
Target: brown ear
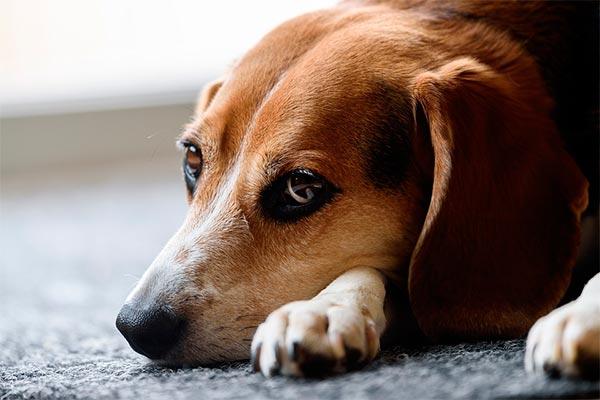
[
  {"x": 502, "y": 229},
  {"x": 208, "y": 94}
]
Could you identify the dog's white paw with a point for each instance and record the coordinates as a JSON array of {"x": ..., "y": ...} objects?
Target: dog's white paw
[
  {"x": 566, "y": 342},
  {"x": 313, "y": 338}
]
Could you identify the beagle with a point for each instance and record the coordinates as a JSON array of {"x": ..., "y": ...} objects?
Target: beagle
[{"x": 385, "y": 170}]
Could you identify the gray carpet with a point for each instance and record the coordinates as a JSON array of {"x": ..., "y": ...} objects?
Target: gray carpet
[{"x": 71, "y": 249}]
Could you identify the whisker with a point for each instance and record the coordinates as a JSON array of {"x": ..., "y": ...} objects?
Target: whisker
[
  {"x": 249, "y": 316},
  {"x": 248, "y": 327},
  {"x": 218, "y": 347},
  {"x": 136, "y": 279},
  {"x": 228, "y": 340}
]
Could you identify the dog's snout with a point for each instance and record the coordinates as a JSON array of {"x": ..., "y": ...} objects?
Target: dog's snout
[{"x": 151, "y": 331}]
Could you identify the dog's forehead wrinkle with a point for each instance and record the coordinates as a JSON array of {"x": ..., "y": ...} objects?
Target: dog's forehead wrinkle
[
  {"x": 251, "y": 126},
  {"x": 192, "y": 130}
]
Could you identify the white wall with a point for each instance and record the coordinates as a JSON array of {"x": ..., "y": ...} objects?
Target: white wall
[
  {"x": 70, "y": 55},
  {"x": 84, "y": 82}
]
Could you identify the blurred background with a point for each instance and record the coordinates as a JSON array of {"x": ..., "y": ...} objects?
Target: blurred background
[{"x": 92, "y": 96}]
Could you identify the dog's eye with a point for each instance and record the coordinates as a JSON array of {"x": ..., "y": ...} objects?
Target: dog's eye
[
  {"x": 296, "y": 194},
  {"x": 192, "y": 164}
]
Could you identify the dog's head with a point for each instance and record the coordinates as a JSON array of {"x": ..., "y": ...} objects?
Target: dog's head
[{"x": 329, "y": 146}]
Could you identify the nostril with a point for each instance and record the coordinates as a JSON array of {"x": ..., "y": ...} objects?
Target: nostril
[{"x": 151, "y": 331}]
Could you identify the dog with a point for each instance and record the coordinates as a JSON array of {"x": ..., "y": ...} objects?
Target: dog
[{"x": 383, "y": 171}]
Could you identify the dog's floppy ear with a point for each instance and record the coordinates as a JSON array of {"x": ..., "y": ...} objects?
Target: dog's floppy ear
[
  {"x": 208, "y": 94},
  {"x": 502, "y": 228}
]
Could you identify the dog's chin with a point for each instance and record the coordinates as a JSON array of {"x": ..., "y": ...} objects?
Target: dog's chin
[
  {"x": 178, "y": 359},
  {"x": 171, "y": 364},
  {"x": 176, "y": 362},
  {"x": 189, "y": 358},
  {"x": 179, "y": 364}
]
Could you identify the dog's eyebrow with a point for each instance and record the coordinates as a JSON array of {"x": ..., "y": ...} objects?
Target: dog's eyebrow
[
  {"x": 191, "y": 133},
  {"x": 273, "y": 166},
  {"x": 278, "y": 163}
]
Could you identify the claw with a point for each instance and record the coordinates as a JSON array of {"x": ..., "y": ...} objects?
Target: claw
[
  {"x": 277, "y": 364},
  {"x": 294, "y": 351},
  {"x": 353, "y": 356},
  {"x": 255, "y": 357}
]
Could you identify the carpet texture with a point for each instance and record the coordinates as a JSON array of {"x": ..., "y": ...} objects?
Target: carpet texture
[{"x": 70, "y": 252}]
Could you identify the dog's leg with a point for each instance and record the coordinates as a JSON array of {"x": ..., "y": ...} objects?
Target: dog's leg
[
  {"x": 567, "y": 341},
  {"x": 339, "y": 329}
]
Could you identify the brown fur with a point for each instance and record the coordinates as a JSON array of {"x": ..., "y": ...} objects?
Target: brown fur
[{"x": 477, "y": 215}]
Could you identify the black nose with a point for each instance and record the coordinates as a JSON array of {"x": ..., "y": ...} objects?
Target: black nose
[{"x": 150, "y": 331}]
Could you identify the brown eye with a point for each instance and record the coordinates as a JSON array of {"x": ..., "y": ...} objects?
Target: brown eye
[
  {"x": 192, "y": 165},
  {"x": 296, "y": 195},
  {"x": 302, "y": 188}
]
